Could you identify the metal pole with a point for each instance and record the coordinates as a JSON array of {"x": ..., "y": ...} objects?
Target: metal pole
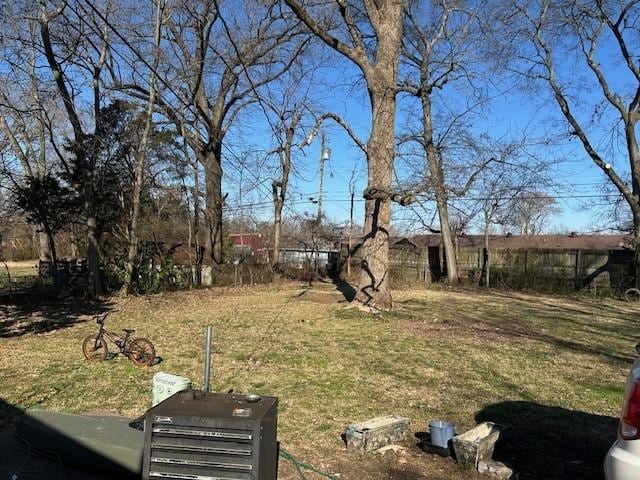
[
  {"x": 207, "y": 358},
  {"x": 325, "y": 152}
]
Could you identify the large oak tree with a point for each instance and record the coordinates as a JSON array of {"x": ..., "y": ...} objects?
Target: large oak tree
[{"x": 368, "y": 34}]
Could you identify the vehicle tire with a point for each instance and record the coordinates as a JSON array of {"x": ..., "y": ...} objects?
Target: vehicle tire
[
  {"x": 632, "y": 295},
  {"x": 142, "y": 352},
  {"x": 94, "y": 348}
]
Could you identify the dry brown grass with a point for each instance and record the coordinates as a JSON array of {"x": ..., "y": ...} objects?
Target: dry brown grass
[
  {"x": 23, "y": 268},
  {"x": 442, "y": 354}
]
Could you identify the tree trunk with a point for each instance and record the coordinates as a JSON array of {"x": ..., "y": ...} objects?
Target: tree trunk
[
  {"x": 133, "y": 228},
  {"x": 374, "y": 292},
  {"x": 211, "y": 162},
  {"x": 51, "y": 248},
  {"x": 380, "y": 70},
  {"x": 487, "y": 258},
  {"x": 44, "y": 246},
  {"x": 196, "y": 224},
  {"x": 636, "y": 261},
  {"x": 93, "y": 249},
  {"x": 141, "y": 158},
  {"x": 636, "y": 249},
  {"x": 93, "y": 256},
  {"x": 447, "y": 240},
  {"x": 279, "y": 189},
  {"x": 49, "y": 237},
  {"x": 277, "y": 230},
  {"x": 73, "y": 243},
  {"x": 437, "y": 179}
]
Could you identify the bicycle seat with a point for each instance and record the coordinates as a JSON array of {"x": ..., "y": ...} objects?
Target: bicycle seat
[{"x": 128, "y": 330}]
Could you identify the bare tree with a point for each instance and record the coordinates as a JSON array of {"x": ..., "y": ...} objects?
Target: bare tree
[
  {"x": 87, "y": 55},
  {"x": 141, "y": 153},
  {"x": 600, "y": 102},
  {"x": 441, "y": 51},
  {"x": 512, "y": 172},
  {"x": 288, "y": 99},
  {"x": 289, "y": 122},
  {"x": 22, "y": 118},
  {"x": 530, "y": 212},
  {"x": 370, "y": 36},
  {"x": 501, "y": 192},
  {"x": 31, "y": 153},
  {"x": 213, "y": 73}
]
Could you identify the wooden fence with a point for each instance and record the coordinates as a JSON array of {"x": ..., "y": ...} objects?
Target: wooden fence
[{"x": 545, "y": 269}]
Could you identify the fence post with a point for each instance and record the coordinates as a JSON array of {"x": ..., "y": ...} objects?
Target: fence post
[
  {"x": 427, "y": 265},
  {"x": 577, "y": 270}
]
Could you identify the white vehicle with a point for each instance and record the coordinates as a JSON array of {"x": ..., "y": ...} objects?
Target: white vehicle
[{"x": 623, "y": 460}]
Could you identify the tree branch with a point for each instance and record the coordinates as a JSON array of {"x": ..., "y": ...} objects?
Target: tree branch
[
  {"x": 336, "y": 118},
  {"x": 352, "y": 53}
]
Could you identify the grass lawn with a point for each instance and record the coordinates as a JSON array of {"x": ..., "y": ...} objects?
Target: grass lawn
[
  {"x": 550, "y": 368},
  {"x": 17, "y": 272},
  {"x": 24, "y": 268}
]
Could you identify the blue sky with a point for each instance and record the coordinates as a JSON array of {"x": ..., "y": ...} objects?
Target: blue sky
[
  {"x": 582, "y": 191},
  {"x": 576, "y": 180},
  {"x": 577, "y": 183}
]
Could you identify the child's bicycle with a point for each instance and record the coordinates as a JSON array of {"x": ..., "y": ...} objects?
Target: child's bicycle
[{"x": 139, "y": 350}]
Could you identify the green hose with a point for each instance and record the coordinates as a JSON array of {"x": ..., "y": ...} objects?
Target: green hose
[{"x": 300, "y": 466}]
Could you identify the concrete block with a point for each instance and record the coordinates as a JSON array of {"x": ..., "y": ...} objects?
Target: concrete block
[
  {"x": 377, "y": 432},
  {"x": 495, "y": 469}
]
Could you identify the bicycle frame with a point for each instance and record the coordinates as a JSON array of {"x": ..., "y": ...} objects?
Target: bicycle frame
[{"x": 118, "y": 340}]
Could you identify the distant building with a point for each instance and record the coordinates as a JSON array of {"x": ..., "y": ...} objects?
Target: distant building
[
  {"x": 250, "y": 247},
  {"x": 299, "y": 253}
]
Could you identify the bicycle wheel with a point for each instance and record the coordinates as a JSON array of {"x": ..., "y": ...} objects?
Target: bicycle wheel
[
  {"x": 142, "y": 352},
  {"x": 632, "y": 295},
  {"x": 94, "y": 348}
]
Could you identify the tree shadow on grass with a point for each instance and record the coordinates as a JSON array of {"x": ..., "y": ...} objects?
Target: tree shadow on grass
[
  {"x": 550, "y": 442},
  {"x": 344, "y": 288},
  {"x": 24, "y": 315}
]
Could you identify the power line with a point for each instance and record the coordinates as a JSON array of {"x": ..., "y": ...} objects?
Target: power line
[
  {"x": 188, "y": 105},
  {"x": 340, "y": 200},
  {"x": 245, "y": 70},
  {"x": 274, "y": 130},
  {"x": 128, "y": 44}
]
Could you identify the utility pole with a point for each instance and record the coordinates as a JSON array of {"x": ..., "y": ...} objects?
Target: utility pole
[{"x": 325, "y": 153}]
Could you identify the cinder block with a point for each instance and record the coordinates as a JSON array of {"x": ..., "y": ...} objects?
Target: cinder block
[{"x": 377, "y": 432}]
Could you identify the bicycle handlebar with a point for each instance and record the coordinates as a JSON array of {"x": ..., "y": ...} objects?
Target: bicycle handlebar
[{"x": 100, "y": 318}]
